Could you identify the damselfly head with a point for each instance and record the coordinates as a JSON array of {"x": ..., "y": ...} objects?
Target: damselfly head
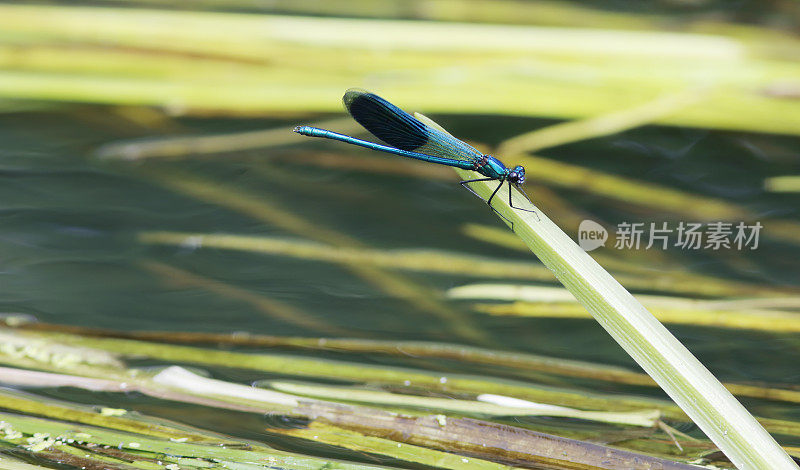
[{"x": 517, "y": 175}]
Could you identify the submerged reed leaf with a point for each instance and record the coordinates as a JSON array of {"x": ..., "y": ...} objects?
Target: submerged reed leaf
[
  {"x": 606, "y": 124},
  {"x": 485, "y": 404},
  {"x": 783, "y": 184},
  {"x": 196, "y": 146},
  {"x": 498, "y": 442},
  {"x": 259, "y": 208},
  {"x": 273, "y": 308},
  {"x": 549, "y": 302},
  {"x": 756, "y": 320},
  {"x": 437, "y": 261},
  {"x": 461, "y": 353},
  {"x": 49, "y": 439},
  {"x": 320, "y": 432},
  {"x": 357, "y": 372}
]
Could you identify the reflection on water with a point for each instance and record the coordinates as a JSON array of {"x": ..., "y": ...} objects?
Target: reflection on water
[{"x": 72, "y": 252}]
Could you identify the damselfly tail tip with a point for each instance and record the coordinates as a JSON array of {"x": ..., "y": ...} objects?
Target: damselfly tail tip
[{"x": 310, "y": 131}]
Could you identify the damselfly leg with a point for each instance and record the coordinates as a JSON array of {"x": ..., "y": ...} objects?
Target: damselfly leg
[
  {"x": 511, "y": 203},
  {"x": 466, "y": 183}
]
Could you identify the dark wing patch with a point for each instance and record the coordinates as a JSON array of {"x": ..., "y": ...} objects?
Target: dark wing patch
[{"x": 385, "y": 121}]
